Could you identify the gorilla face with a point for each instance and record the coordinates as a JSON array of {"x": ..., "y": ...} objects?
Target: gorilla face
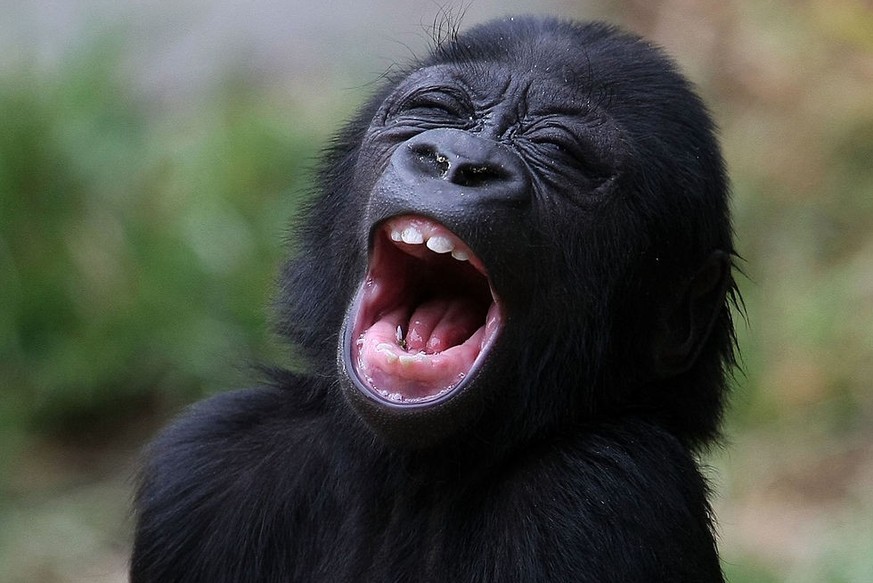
[{"x": 544, "y": 226}]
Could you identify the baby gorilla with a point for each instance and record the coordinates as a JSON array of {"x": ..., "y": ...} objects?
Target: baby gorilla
[{"x": 512, "y": 290}]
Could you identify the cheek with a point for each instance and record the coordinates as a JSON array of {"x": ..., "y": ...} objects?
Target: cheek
[
  {"x": 374, "y": 156},
  {"x": 367, "y": 172}
]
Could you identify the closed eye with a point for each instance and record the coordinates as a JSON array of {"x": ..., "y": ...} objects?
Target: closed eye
[
  {"x": 434, "y": 103},
  {"x": 557, "y": 139},
  {"x": 560, "y": 148}
]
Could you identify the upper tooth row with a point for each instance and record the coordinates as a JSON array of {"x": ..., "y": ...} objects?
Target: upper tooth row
[{"x": 412, "y": 235}]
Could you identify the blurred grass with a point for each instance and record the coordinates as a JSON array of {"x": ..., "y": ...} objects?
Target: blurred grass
[
  {"x": 139, "y": 242},
  {"x": 133, "y": 246},
  {"x": 138, "y": 248}
]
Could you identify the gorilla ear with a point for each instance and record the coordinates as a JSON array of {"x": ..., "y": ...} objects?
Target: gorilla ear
[{"x": 686, "y": 326}]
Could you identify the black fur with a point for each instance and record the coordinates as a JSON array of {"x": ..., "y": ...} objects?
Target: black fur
[{"x": 569, "y": 453}]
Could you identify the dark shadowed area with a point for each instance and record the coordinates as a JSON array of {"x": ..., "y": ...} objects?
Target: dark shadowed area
[{"x": 152, "y": 155}]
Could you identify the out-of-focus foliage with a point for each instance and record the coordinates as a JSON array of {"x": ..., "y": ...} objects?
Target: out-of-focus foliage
[
  {"x": 799, "y": 135},
  {"x": 137, "y": 246}
]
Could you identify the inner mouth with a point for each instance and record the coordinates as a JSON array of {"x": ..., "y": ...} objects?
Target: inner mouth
[{"x": 425, "y": 315}]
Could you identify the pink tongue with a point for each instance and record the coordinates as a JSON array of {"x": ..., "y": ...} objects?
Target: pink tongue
[{"x": 440, "y": 324}]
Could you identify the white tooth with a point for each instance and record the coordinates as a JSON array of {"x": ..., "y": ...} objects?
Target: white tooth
[
  {"x": 395, "y": 234},
  {"x": 460, "y": 254},
  {"x": 412, "y": 236},
  {"x": 440, "y": 244},
  {"x": 386, "y": 350},
  {"x": 384, "y": 347}
]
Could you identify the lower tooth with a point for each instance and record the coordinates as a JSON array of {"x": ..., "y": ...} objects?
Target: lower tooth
[{"x": 386, "y": 349}]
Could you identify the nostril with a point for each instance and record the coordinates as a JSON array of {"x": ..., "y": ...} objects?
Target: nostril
[
  {"x": 473, "y": 175},
  {"x": 461, "y": 172},
  {"x": 463, "y": 163},
  {"x": 436, "y": 163}
]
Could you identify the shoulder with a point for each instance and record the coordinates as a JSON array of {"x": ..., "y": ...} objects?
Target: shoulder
[
  {"x": 614, "y": 461},
  {"x": 220, "y": 439},
  {"x": 207, "y": 424},
  {"x": 622, "y": 504},
  {"x": 204, "y": 432},
  {"x": 215, "y": 465}
]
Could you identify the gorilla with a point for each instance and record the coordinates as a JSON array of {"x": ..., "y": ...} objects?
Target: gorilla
[{"x": 512, "y": 290}]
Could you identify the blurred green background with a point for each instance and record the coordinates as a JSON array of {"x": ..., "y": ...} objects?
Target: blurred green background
[{"x": 151, "y": 158}]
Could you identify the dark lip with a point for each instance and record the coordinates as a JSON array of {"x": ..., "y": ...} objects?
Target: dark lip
[{"x": 352, "y": 322}]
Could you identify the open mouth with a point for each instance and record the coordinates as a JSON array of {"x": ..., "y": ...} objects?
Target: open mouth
[{"x": 425, "y": 315}]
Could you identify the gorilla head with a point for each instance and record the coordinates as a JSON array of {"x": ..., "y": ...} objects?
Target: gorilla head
[
  {"x": 524, "y": 232},
  {"x": 512, "y": 288}
]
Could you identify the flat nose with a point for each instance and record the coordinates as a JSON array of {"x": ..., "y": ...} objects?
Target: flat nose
[{"x": 469, "y": 164}]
